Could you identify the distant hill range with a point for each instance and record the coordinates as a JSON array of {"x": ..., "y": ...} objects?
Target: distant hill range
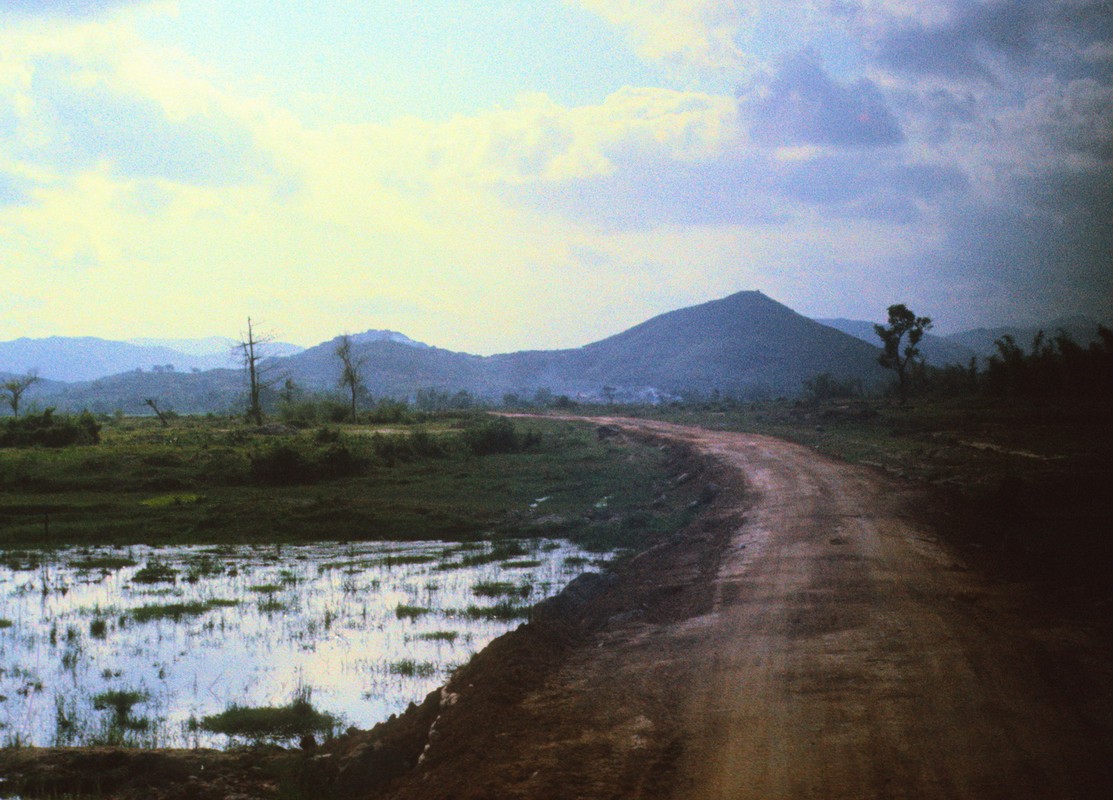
[
  {"x": 745, "y": 345},
  {"x": 959, "y": 348},
  {"x": 70, "y": 359}
]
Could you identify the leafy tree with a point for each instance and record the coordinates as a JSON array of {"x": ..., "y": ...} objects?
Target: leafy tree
[
  {"x": 14, "y": 388},
  {"x": 902, "y": 323},
  {"x": 351, "y": 369}
]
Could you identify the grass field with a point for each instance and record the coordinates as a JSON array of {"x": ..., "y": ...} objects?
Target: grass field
[{"x": 210, "y": 481}]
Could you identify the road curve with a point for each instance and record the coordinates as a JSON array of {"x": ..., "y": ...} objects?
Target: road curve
[{"x": 848, "y": 655}]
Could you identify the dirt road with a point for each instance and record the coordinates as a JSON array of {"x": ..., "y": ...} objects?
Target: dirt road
[
  {"x": 848, "y": 655},
  {"x": 843, "y": 652}
]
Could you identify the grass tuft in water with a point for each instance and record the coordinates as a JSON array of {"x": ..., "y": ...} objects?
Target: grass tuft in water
[
  {"x": 404, "y": 611},
  {"x": 501, "y": 589},
  {"x": 408, "y": 668},
  {"x": 439, "y": 636},
  {"x": 273, "y": 723},
  {"x": 155, "y": 572},
  {"x": 177, "y": 611}
]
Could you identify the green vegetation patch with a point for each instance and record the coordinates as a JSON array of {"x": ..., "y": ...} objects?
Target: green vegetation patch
[
  {"x": 275, "y": 723},
  {"x": 168, "y": 500},
  {"x": 266, "y": 588},
  {"x": 439, "y": 636},
  {"x": 460, "y": 477},
  {"x": 408, "y": 668},
  {"x": 176, "y": 611},
  {"x": 404, "y": 611},
  {"x": 155, "y": 572},
  {"x": 103, "y": 563},
  {"x": 501, "y": 589},
  {"x": 504, "y": 611}
]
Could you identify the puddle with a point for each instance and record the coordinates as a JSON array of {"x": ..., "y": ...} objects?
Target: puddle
[{"x": 185, "y": 632}]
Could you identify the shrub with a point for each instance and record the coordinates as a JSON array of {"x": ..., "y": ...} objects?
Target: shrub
[
  {"x": 286, "y": 465},
  {"x": 46, "y": 430},
  {"x": 498, "y": 435},
  {"x": 281, "y": 465},
  {"x": 340, "y": 462}
]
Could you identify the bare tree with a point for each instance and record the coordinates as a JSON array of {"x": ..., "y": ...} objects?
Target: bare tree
[
  {"x": 351, "y": 369},
  {"x": 252, "y": 352},
  {"x": 14, "y": 388},
  {"x": 154, "y": 406}
]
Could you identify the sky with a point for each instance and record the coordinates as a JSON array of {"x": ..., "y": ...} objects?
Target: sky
[{"x": 532, "y": 174}]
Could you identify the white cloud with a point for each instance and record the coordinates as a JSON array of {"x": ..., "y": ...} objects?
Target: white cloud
[{"x": 697, "y": 33}]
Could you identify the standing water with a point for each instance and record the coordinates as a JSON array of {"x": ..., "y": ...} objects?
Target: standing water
[{"x": 137, "y": 646}]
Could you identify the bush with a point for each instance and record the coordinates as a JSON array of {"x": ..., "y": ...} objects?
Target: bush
[
  {"x": 46, "y": 430},
  {"x": 280, "y": 465},
  {"x": 390, "y": 412},
  {"x": 498, "y": 435},
  {"x": 340, "y": 462},
  {"x": 286, "y": 465}
]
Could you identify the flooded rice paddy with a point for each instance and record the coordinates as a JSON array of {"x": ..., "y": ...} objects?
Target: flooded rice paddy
[{"x": 138, "y": 645}]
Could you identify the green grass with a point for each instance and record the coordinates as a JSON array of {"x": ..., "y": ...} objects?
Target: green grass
[
  {"x": 501, "y": 589},
  {"x": 505, "y": 611},
  {"x": 409, "y": 668},
  {"x": 111, "y": 563},
  {"x": 273, "y": 723},
  {"x": 404, "y": 611},
  {"x": 176, "y": 611},
  {"x": 139, "y": 485},
  {"x": 439, "y": 636},
  {"x": 266, "y": 588},
  {"x": 155, "y": 572}
]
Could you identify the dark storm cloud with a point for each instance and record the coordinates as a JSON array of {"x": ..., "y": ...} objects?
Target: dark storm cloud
[
  {"x": 971, "y": 42},
  {"x": 805, "y": 106},
  {"x": 881, "y": 188}
]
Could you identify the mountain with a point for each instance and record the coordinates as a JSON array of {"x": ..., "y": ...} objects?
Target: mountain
[
  {"x": 745, "y": 345},
  {"x": 938, "y": 351},
  {"x": 86, "y": 358},
  {"x": 1082, "y": 330}
]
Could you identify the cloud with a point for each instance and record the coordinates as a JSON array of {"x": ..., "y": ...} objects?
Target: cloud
[
  {"x": 981, "y": 40},
  {"x": 63, "y": 8},
  {"x": 805, "y": 106},
  {"x": 85, "y": 122},
  {"x": 698, "y": 33},
  {"x": 12, "y": 190}
]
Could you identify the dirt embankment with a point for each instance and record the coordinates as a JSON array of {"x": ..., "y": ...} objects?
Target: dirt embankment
[{"x": 808, "y": 636}]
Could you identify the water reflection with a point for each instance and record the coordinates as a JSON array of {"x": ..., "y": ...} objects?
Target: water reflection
[{"x": 184, "y": 632}]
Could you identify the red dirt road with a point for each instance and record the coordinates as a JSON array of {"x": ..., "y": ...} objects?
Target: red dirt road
[{"x": 848, "y": 655}]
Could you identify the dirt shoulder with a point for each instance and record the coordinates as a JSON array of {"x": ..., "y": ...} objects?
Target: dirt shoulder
[{"x": 808, "y": 636}]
